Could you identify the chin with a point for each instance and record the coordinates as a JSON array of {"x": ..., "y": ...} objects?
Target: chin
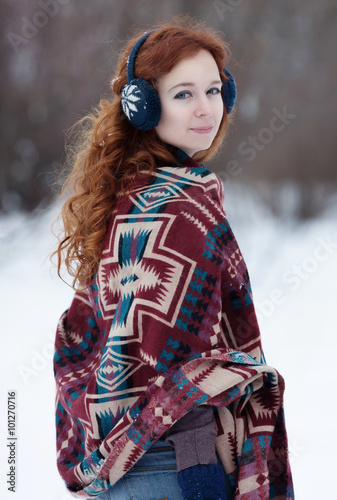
[{"x": 203, "y": 147}]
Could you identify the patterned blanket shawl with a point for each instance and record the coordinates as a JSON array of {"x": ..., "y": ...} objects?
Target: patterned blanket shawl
[{"x": 168, "y": 323}]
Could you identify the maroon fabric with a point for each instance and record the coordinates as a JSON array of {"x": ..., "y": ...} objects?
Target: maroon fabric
[{"x": 166, "y": 325}]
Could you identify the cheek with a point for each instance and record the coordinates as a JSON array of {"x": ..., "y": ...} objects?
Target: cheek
[
  {"x": 220, "y": 111},
  {"x": 171, "y": 118}
]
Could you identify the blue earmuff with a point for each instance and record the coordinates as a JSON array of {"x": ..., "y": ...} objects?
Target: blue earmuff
[
  {"x": 140, "y": 100},
  {"x": 229, "y": 91}
]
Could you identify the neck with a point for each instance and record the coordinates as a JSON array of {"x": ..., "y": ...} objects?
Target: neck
[{"x": 182, "y": 158}]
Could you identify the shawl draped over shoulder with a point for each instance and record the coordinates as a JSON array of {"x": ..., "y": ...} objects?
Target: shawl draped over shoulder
[{"x": 167, "y": 324}]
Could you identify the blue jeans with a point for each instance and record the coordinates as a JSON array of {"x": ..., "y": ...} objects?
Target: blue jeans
[{"x": 153, "y": 477}]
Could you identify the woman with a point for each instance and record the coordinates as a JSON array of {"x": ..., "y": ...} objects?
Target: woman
[{"x": 161, "y": 345}]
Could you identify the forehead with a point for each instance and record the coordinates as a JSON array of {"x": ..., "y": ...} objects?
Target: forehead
[{"x": 200, "y": 67}]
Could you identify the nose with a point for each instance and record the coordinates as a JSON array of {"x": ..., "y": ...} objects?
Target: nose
[{"x": 203, "y": 106}]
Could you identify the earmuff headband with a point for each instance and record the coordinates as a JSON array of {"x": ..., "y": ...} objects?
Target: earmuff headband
[{"x": 130, "y": 69}]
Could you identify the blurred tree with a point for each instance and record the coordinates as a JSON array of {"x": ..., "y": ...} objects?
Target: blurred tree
[{"x": 59, "y": 56}]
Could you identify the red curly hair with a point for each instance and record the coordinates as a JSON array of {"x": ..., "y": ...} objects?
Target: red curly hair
[{"x": 106, "y": 149}]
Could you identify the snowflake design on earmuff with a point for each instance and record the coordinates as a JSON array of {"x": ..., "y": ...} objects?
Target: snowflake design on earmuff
[{"x": 129, "y": 98}]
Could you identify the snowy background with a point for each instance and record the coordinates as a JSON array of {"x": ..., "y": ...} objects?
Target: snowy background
[
  {"x": 293, "y": 269},
  {"x": 284, "y": 61}
]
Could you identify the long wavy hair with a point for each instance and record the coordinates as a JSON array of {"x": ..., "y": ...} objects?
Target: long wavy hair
[{"x": 105, "y": 149}]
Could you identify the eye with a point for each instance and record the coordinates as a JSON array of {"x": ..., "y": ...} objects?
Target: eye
[
  {"x": 182, "y": 95},
  {"x": 214, "y": 91}
]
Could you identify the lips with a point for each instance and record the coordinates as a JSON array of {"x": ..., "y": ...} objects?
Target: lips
[{"x": 203, "y": 130}]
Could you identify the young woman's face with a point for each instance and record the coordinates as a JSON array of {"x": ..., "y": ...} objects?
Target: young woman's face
[{"x": 191, "y": 102}]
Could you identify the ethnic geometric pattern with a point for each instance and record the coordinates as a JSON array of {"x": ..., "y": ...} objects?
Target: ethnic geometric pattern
[
  {"x": 234, "y": 261},
  {"x": 154, "y": 196},
  {"x": 106, "y": 414},
  {"x": 140, "y": 275},
  {"x": 173, "y": 353},
  {"x": 200, "y": 310},
  {"x": 167, "y": 324},
  {"x": 171, "y": 186},
  {"x": 163, "y": 416},
  {"x": 115, "y": 368},
  {"x": 216, "y": 240},
  {"x": 221, "y": 247}
]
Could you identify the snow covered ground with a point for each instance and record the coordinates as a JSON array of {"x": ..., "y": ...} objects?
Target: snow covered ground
[{"x": 293, "y": 272}]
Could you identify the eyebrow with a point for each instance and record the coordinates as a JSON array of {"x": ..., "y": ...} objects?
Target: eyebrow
[{"x": 191, "y": 84}]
